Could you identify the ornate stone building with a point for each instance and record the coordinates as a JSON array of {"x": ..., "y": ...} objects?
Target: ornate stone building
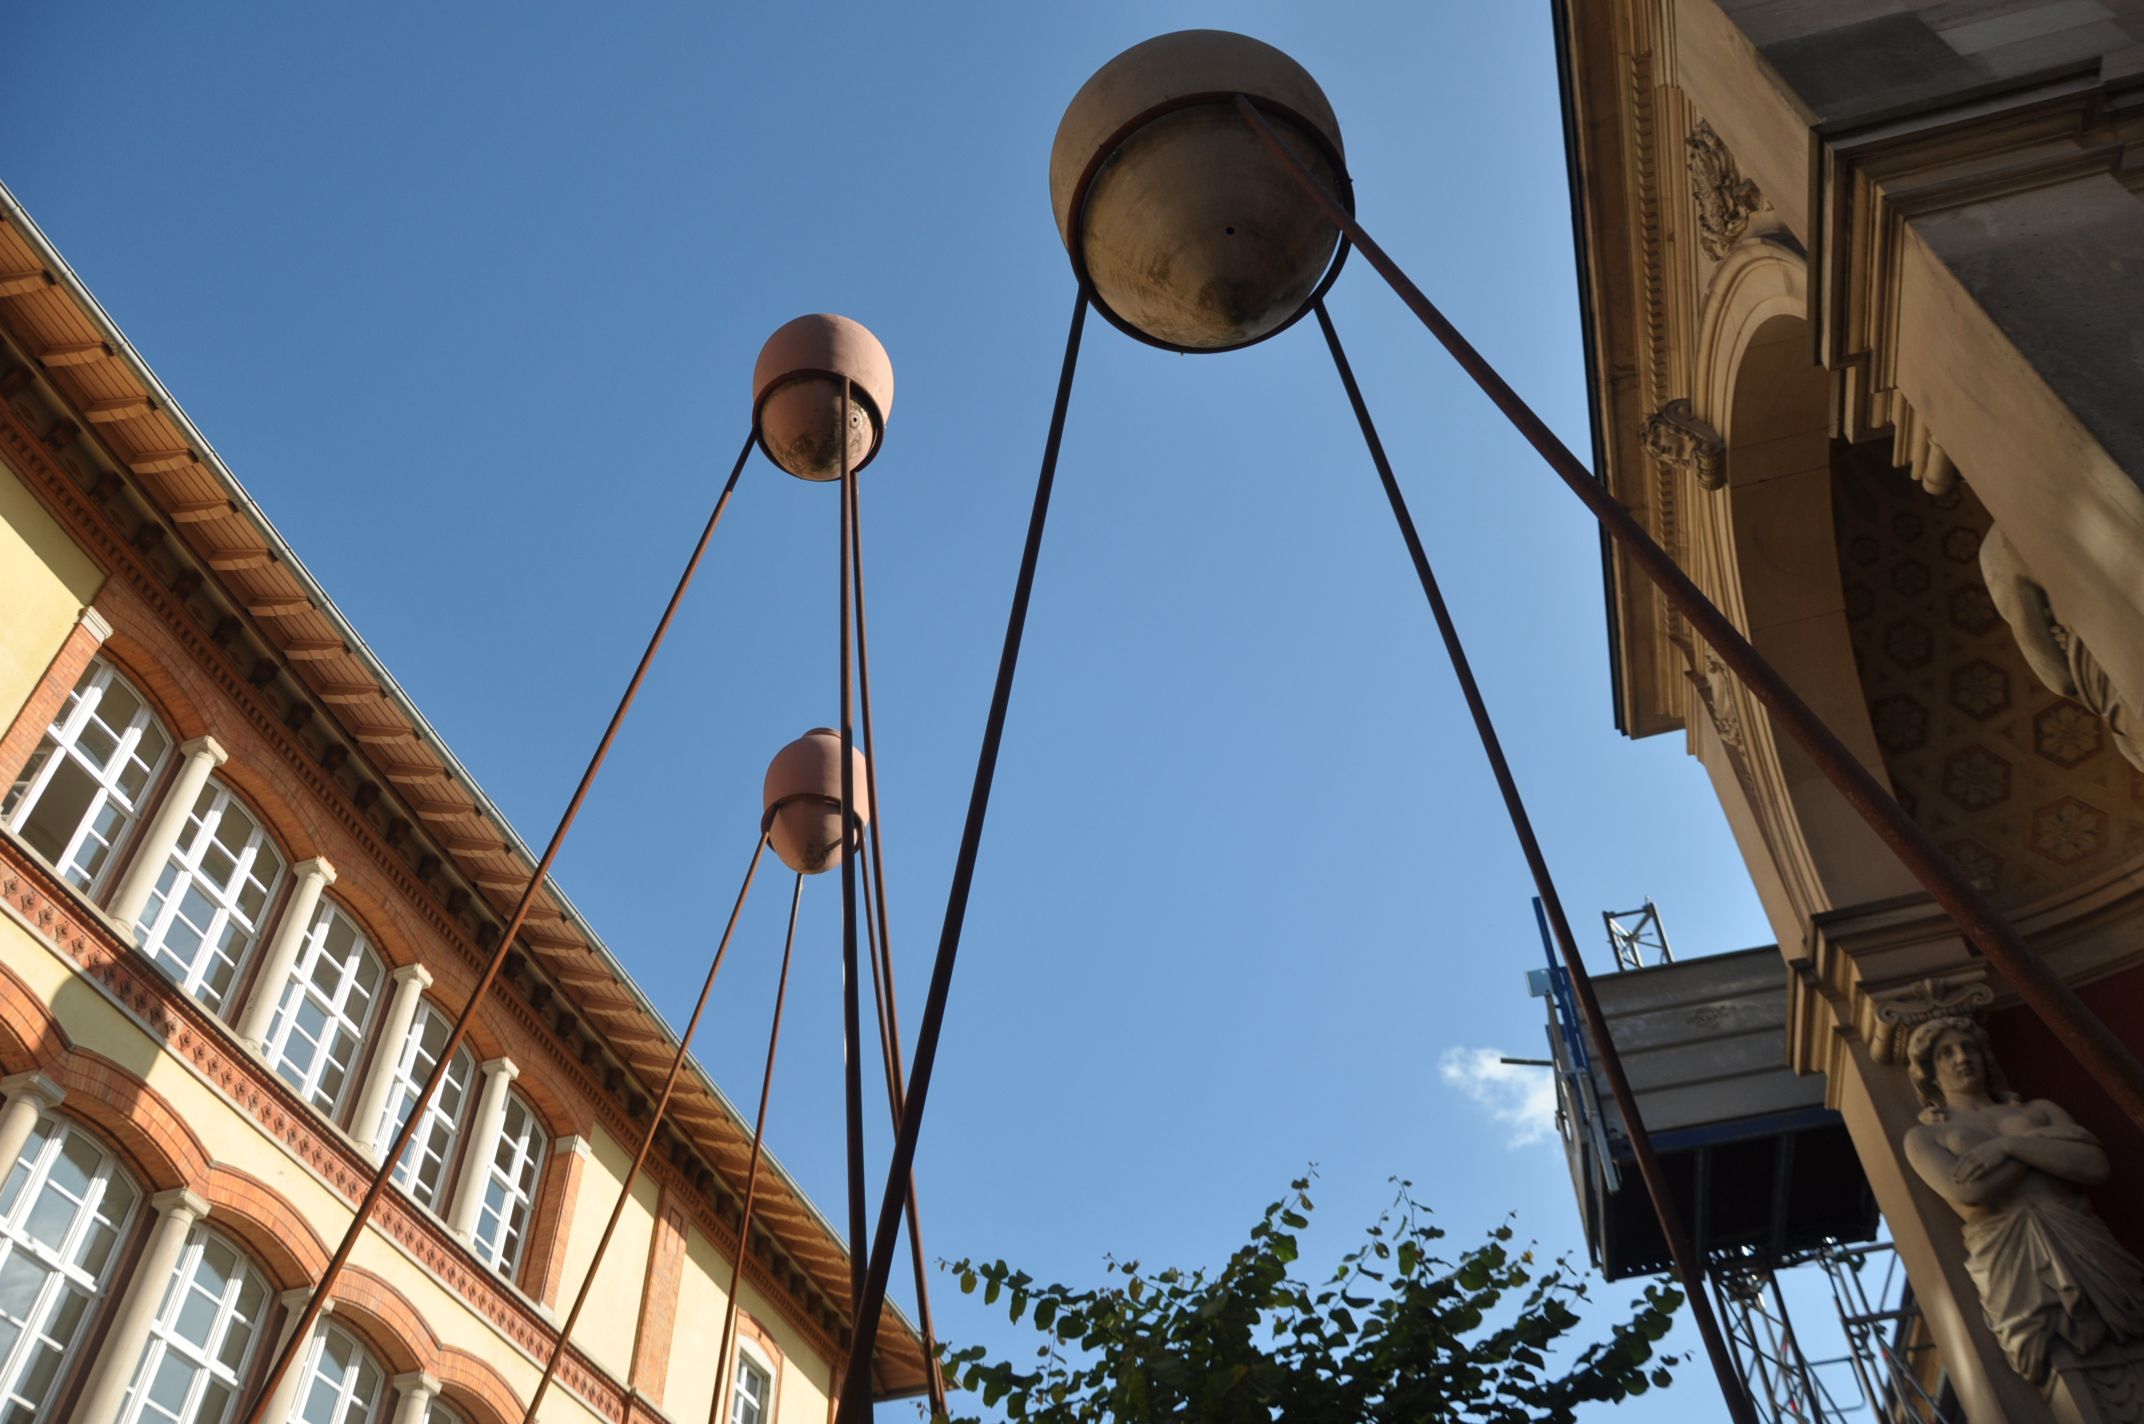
[
  {"x": 1864, "y": 290},
  {"x": 245, "y": 885}
]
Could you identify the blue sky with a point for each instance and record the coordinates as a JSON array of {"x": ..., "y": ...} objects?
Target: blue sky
[{"x": 469, "y": 298}]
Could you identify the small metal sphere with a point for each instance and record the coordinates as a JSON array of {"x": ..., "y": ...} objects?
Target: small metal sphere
[
  {"x": 796, "y": 395},
  {"x": 1191, "y": 233},
  {"x": 802, "y": 797}
]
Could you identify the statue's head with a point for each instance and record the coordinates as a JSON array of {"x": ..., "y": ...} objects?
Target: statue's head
[{"x": 1947, "y": 1057}]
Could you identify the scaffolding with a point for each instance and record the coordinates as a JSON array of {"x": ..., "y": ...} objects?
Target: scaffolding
[
  {"x": 1819, "y": 1319},
  {"x": 1632, "y": 932}
]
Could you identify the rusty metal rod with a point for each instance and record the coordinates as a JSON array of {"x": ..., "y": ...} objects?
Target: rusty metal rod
[
  {"x": 723, "y": 1372},
  {"x": 863, "y": 1332},
  {"x": 852, "y": 1040},
  {"x": 301, "y": 1332},
  {"x": 647, "y": 1140},
  {"x": 880, "y": 947},
  {"x": 1688, "y": 1265},
  {"x": 2110, "y": 1062}
]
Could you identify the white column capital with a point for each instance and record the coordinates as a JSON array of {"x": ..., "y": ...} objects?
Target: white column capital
[
  {"x": 180, "y": 1202},
  {"x": 95, "y": 624},
  {"x": 294, "y": 1299},
  {"x": 417, "y": 1382},
  {"x": 205, "y": 746},
  {"x": 318, "y": 867},
  {"x": 501, "y": 1067},
  {"x": 408, "y": 973},
  {"x": 36, "y": 1086},
  {"x": 576, "y": 1146}
]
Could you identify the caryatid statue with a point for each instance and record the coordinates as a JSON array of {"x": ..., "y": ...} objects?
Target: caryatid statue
[{"x": 2055, "y": 1286}]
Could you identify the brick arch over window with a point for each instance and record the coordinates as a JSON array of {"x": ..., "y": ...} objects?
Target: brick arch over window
[
  {"x": 149, "y": 1135},
  {"x": 273, "y": 1232},
  {"x": 383, "y": 1318},
  {"x": 174, "y": 705},
  {"x": 474, "y": 1390},
  {"x": 292, "y": 828}
]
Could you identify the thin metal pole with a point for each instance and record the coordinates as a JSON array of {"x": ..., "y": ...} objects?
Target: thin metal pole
[
  {"x": 852, "y": 1040},
  {"x": 863, "y": 1332},
  {"x": 880, "y": 947},
  {"x": 647, "y": 1140},
  {"x": 1687, "y": 1263},
  {"x": 751, "y": 1173},
  {"x": 2118, "y": 1070},
  {"x": 301, "y": 1332}
]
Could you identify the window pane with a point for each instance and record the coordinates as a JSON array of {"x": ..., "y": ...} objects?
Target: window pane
[
  {"x": 65, "y": 1198},
  {"x": 200, "y": 1341},
  {"x": 60, "y": 810},
  {"x": 207, "y": 910},
  {"x": 325, "y": 1009}
]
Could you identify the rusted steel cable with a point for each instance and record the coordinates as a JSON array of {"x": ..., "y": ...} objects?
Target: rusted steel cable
[
  {"x": 301, "y": 1332},
  {"x": 751, "y": 1174},
  {"x": 852, "y": 1041},
  {"x": 2110, "y": 1062},
  {"x": 1687, "y": 1264},
  {"x": 880, "y": 950},
  {"x": 863, "y": 1331},
  {"x": 647, "y": 1140}
]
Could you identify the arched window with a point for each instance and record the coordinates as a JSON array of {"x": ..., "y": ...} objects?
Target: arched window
[
  {"x": 510, "y": 1190},
  {"x": 343, "y": 1384},
  {"x": 439, "y": 1414},
  {"x": 422, "y": 1172},
  {"x": 84, "y": 784},
  {"x": 204, "y": 1334},
  {"x": 62, "y": 1210},
  {"x": 333, "y": 992},
  {"x": 206, "y": 909},
  {"x": 752, "y": 1393}
]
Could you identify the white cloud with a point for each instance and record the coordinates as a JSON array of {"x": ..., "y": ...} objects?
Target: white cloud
[{"x": 1524, "y": 1099}]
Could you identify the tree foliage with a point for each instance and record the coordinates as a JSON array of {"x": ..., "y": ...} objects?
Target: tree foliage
[{"x": 1399, "y": 1333}]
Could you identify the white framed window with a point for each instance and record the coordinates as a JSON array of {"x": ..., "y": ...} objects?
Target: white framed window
[
  {"x": 206, "y": 909},
  {"x": 510, "y": 1190},
  {"x": 752, "y": 1392},
  {"x": 202, "y": 1339},
  {"x": 83, "y": 786},
  {"x": 343, "y": 1383},
  {"x": 334, "y": 991},
  {"x": 437, "y": 1413},
  {"x": 63, "y": 1209},
  {"x": 422, "y": 1172}
]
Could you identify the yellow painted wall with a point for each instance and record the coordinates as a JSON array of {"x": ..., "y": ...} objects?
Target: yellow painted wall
[
  {"x": 606, "y": 1329},
  {"x": 45, "y": 583},
  {"x": 689, "y": 1389}
]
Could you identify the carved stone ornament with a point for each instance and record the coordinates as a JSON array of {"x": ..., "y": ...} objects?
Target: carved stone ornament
[
  {"x": 2062, "y": 1296},
  {"x": 2054, "y": 652},
  {"x": 1677, "y": 438},
  {"x": 1724, "y": 198},
  {"x": 1901, "y": 1011}
]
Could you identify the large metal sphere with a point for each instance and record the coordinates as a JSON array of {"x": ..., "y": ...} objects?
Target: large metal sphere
[
  {"x": 796, "y": 395},
  {"x": 1191, "y": 232},
  {"x": 803, "y": 793}
]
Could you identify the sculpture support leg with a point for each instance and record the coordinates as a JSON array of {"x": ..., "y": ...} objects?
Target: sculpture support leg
[
  {"x": 302, "y": 1333},
  {"x": 852, "y": 1042},
  {"x": 719, "y": 1410},
  {"x": 855, "y": 1402},
  {"x": 879, "y": 948},
  {"x": 1687, "y": 1264}
]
